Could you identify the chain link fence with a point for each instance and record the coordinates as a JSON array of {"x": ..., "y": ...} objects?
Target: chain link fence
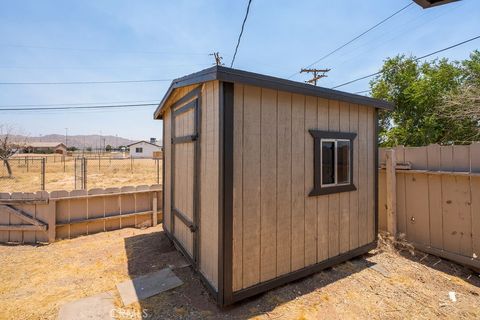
[{"x": 56, "y": 172}]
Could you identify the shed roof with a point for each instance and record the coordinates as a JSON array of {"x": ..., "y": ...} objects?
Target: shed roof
[{"x": 234, "y": 75}]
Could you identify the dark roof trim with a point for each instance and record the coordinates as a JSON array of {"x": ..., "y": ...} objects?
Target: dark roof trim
[
  {"x": 153, "y": 144},
  {"x": 233, "y": 75},
  {"x": 425, "y": 4}
]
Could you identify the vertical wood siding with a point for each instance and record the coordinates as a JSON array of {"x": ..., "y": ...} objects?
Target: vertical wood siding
[
  {"x": 277, "y": 228},
  {"x": 167, "y": 149},
  {"x": 184, "y": 178},
  {"x": 209, "y": 178}
]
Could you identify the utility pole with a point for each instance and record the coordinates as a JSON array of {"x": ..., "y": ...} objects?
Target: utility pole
[
  {"x": 218, "y": 58},
  {"x": 317, "y": 74},
  {"x": 66, "y": 137}
]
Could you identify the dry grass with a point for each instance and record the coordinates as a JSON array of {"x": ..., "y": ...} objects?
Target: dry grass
[
  {"x": 60, "y": 175},
  {"x": 36, "y": 281}
]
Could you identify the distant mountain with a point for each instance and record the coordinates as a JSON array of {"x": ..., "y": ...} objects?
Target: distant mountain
[{"x": 81, "y": 141}]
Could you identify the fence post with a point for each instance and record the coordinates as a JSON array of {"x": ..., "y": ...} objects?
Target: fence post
[
  {"x": 52, "y": 220},
  {"x": 391, "y": 185},
  {"x": 158, "y": 171},
  {"x": 84, "y": 173},
  {"x": 154, "y": 209},
  {"x": 43, "y": 174}
]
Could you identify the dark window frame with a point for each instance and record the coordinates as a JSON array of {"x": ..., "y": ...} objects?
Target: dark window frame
[
  {"x": 138, "y": 149},
  {"x": 318, "y": 188}
]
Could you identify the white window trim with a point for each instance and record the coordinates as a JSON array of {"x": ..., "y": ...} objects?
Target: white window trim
[{"x": 335, "y": 164}]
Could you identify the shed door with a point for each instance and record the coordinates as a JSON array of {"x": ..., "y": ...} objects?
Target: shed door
[{"x": 185, "y": 137}]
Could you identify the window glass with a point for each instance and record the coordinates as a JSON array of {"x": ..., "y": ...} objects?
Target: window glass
[
  {"x": 328, "y": 161},
  {"x": 343, "y": 161},
  {"x": 139, "y": 150}
]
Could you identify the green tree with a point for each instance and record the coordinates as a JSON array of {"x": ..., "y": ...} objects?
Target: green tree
[
  {"x": 108, "y": 148},
  {"x": 419, "y": 91}
]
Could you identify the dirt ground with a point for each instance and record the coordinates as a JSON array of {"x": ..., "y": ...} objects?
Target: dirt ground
[
  {"x": 36, "y": 280},
  {"x": 60, "y": 175}
]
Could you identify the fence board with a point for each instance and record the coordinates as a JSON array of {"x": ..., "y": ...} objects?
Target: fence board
[
  {"x": 29, "y": 236},
  {"x": 475, "y": 212},
  {"x": 112, "y": 208},
  {"x": 16, "y": 236},
  {"x": 401, "y": 204},
  {"x": 475, "y": 157},
  {"x": 62, "y": 213},
  {"x": 461, "y": 158},
  {"x": 382, "y": 201},
  {"x": 446, "y": 158},
  {"x": 78, "y": 210},
  {"x": 417, "y": 208},
  {"x": 96, "y": 209},
  {"x": 127, "y": 205},
  {"x": 456, "y": 214},
  {"x": 433, "y": 157},
  {"x": 4, "y": 219},
  {"x": 435, "y": 210},
  {"x": 417, "y": 156}
]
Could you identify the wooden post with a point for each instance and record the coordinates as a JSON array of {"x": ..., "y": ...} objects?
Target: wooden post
[
  {"x": 154, "y": 209},
  {"x": 391, "y": 185},
  {"x": 52, "y": 219}
]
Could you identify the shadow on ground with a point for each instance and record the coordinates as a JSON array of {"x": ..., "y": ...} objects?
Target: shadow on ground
[
  {"x": 448, "y": 267},
  {"x": 154, "y": 251}
]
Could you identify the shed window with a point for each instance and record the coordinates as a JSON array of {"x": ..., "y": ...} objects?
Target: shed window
[
  {"x": 138, "y": 150},
  {"x": 333, "y": 154},
  {"x": 335, "y": 162}
]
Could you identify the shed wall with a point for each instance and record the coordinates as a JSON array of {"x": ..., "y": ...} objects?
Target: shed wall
[
  {"x": 209, "y": 181},
  {"x": 208, "y": 173},
  {"x": 277, "y": 227}
]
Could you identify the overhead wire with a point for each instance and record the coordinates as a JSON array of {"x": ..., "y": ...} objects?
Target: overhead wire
[
  {"x": 355, "y": 38},
  {"x": 85, "y": 82},
  {"x": 416, "y": 59},
  {"x": 81, "y": 107},
  {"x": 241, "y": 33}
]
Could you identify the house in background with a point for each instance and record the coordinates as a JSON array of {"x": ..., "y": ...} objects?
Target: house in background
[
  {"x": 45, "y": 147},
  {"x": 144, "y": 149}
]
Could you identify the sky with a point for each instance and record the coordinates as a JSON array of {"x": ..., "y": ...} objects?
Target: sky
[{"x": 108, "y": 40}]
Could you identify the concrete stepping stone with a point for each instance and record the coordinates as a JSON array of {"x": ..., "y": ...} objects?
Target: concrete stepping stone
[
  {"x": 98, "y": 307},
  {"x": 148, "y": 285}
]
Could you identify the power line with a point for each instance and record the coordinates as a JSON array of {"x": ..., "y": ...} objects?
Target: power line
[
  {"x": 416, "y": 59},
  {"x": 355, "y": 38},
  {"x": 78, "y": 103},
  {"x": 82, "y": 107},
  {"x": 84, "y": 82},
  {"x": 241, "y": 33},
  {"x": 99, "y": 67},
  {"x": 100, "y": 50}
]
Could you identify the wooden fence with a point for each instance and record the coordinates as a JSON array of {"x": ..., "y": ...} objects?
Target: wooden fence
[
  {"x": 432, "y": 195},
  {"x": 46, "y": 217}
]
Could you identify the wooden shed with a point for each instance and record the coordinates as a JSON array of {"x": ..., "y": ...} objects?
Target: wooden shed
[{"x": 266, "y": 180}]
